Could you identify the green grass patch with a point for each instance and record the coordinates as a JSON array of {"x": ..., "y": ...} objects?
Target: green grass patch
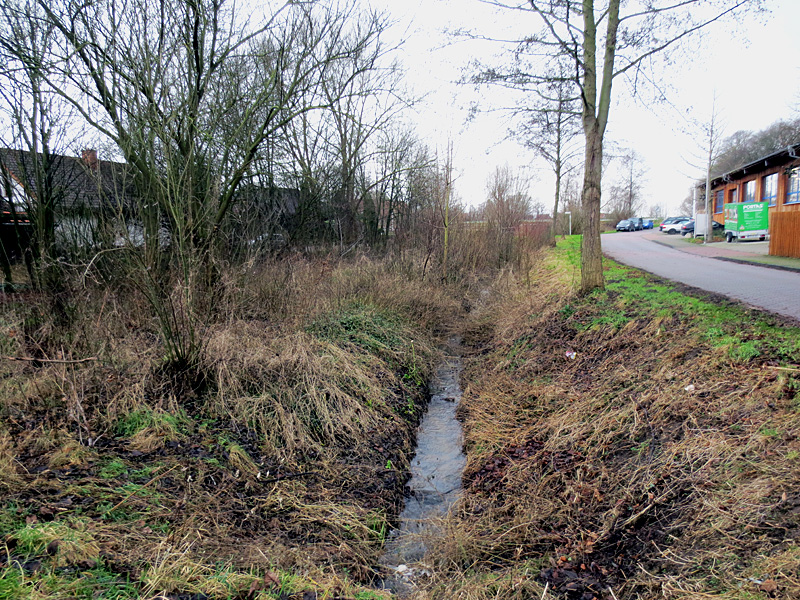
[
  {"x": 112, "y": 469},
  {"x": 631, "y": 294},
  {"x": 146, "y": 418},
  {"x": 84, "y": 584},
  {"x": 377, "y": 332}
]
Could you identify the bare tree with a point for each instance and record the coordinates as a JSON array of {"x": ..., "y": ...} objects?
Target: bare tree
[
  {"x": 190, "y": 93},
  {"x": 605, "y": 40},
  {"x": 746, "y": 146},
  {"x": 710, "y": 132},
  {"x": 396, "y": 159},
  {"x": 626, "y": 193},
  {"x": 362, "y": 99},
  {"x": 507, "y": 205},
  {"x": 548, "y": 111},
  {"x": 36, "y": 136},
  {"x": 551, "y": 128}
]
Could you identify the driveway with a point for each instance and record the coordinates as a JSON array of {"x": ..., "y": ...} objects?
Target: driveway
[{"x": 759, "y": 287}]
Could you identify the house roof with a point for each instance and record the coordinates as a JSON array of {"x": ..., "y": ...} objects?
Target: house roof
[
  {"x": 776, "y": 159},
  {"x": 79, "y": 183}
]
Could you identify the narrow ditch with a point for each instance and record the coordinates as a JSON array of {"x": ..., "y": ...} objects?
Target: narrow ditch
[{"x": 435, "y": 482}]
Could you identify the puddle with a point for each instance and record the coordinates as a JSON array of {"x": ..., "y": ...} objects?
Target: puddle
[{"x": 435, "y": 476}]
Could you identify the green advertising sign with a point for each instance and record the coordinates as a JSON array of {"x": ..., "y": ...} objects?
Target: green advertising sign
[
  {"x": 754, "y": 216},
  {"x": 747, "y": 216}
]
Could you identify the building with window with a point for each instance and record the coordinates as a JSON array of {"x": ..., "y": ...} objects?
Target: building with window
[{"x": 774, "y": 179}]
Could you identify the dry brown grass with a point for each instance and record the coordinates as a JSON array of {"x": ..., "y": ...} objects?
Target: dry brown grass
[
  {"x": 613, "y": 460},
  {"x": 296, "y": 290},
  {"x": 299, "y": 393},
  {"x": 285, "y": 450},
  {"x": 9, "y": 466}
]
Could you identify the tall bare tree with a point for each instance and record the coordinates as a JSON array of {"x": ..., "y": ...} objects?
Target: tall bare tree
[
  {"x": 507, "y": 205},
  {"x": 551, "y": 126},
  {"x": 626, "y": 193},
  {"x": 36, "y": 136},
  {"x": 606, "y": 40}
]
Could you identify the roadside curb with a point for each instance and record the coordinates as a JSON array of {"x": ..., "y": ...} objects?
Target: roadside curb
[
  {"x": 741, "y": 261},
  {"x": 757, "y": 264}
]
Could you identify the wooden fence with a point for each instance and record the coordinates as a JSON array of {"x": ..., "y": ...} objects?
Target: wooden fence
[{"x": 784, "y": 231}]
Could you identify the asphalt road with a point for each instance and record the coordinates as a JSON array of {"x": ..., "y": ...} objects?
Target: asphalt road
[{"x": 767, "y": 289}]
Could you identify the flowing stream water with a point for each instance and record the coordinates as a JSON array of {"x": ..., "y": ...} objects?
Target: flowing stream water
[{"x": 435, "y": 477}]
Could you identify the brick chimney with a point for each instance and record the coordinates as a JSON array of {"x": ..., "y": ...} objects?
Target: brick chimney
[{"x": 89, "y": 157}]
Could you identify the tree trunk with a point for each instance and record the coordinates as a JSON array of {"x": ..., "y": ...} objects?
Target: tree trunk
[
  {"x": 595, "y": 118},
  {"x": 591, "y": 251},
  {"x": 553, "y": 232}
]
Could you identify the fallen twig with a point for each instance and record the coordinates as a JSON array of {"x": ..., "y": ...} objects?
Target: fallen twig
[
  {"x": 794, "y": 370},
  {"x": 52, "y": 360}
]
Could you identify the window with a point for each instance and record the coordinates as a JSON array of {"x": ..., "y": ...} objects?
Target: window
[
  {"x": 793, "y": 186},
  {"x": 734, "y": 195},
  {"x": 769, "y": 187},
  {"x": 719, "y": 199},
  {"x": 750, "y": 191}
]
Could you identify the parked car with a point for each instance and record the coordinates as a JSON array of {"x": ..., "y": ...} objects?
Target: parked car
[
  {"x": 688, "y": 227},
  {"x": 637, "y": 222},
  {"x": 648, "y": 223},
  {"x": 626, "y": 225},
  {"x": 675, "y": 225},
  {"x": 670, "y": 221}
]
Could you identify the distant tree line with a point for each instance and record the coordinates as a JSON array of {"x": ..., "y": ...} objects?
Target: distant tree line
[{"x": 744, "y": 147}]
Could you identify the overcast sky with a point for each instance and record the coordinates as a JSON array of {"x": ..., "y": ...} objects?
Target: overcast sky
[{"x": 754, "y": 70}]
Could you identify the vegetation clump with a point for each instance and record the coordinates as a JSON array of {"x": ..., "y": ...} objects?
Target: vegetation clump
[{"x": 281, "y": 473}]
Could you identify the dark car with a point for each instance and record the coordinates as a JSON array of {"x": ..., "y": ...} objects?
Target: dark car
[
  {"x": 626, "y": 225},
  {"x": 688, "y": 227},
  {"x": 638, "y": 223}
]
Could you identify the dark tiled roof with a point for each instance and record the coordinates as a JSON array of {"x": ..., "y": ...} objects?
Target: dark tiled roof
[{"x": 77, "y": 185}]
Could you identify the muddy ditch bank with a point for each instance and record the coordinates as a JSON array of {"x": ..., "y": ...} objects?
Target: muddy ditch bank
[
  {"x": 621, "y": 447},
  {"x": 300, "y": 468}
]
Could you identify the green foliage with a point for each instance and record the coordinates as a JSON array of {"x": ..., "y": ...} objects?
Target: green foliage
[
  {"x": 12, "y": 517},
  {"x": 113, "y": 468},
  {"x": 369, "y": 595},
  {"x": 97, "y": 583},
  {"x": 745, "y": 351},
  {"x": 376, "y": 521},
  {"x": 172, "y": 425},
  {"x": 569, "y": 249},
  {"x": 377, "y": 332},
  {"x": 413, "y": 373},
  {"x": 631, "y": 294},
  {"x": 567, "y": 311}
]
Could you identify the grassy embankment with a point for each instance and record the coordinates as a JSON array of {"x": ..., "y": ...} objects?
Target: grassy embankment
[
  {"x": 278, "y": 471},
  {"x": 660, "y": 462}
]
